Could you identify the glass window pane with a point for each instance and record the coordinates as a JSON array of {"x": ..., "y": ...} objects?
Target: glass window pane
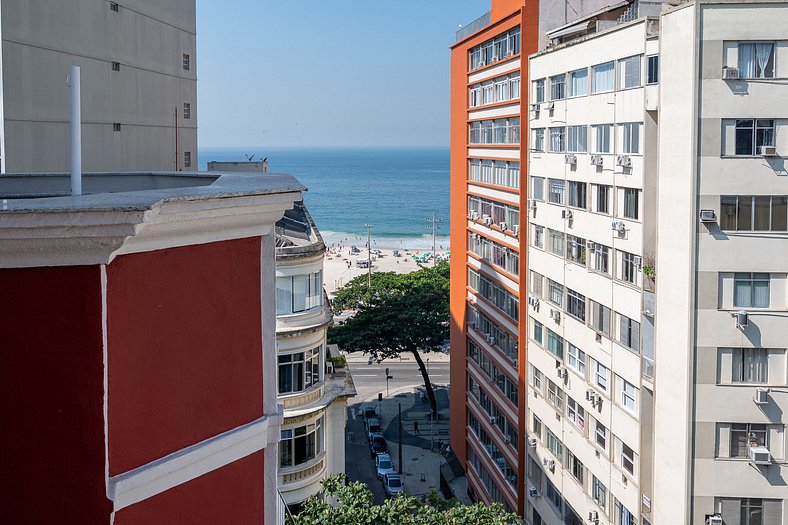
[
  {"x": 728, "y": 213},
  {"x": 744, "y": 217},
  {"x": 762, "y": 213},
  {"x": 779, "y": 213}
]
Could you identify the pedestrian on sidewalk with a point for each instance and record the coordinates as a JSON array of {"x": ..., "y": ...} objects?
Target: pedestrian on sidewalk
[{"x": 416, "y": 427}]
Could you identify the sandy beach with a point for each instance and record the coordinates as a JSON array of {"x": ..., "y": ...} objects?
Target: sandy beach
[{"x": 337, "y": 272}]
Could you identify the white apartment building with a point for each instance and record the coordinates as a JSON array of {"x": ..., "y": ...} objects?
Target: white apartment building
[
  {"x": 590, "y": 355},
  {"x": 313, "y": 392},
  {"x": 658, "y": 226}
]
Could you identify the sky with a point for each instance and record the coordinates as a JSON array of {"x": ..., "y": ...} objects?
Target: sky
[{"x": 317, "y": 73}]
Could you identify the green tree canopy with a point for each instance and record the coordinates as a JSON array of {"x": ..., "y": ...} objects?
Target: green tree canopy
[
  {"x": 354, "y": 506},
  {"x": 396, "y": 313}
]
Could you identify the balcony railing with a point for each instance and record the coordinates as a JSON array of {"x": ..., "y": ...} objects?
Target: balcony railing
[
  {"x": 295, "y": 474},
  {"x": 648, "y": 367},
  {"x": 478, "y": 24}
]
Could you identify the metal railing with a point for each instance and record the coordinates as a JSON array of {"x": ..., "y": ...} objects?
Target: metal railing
[
  {"x": 480, "y": 23},
  {"x": 283, "y": 514}
]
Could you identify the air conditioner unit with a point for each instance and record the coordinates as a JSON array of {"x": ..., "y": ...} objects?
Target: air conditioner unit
[
  {"x": 730, "y": 73},
  {"x": 507, "y": 439},
  {"x": 488, "y": 220},
  {"x": 566, "y": 214},
  {"x": 742, "y": 319},
  {"x": 514, "y": 362},
  {"x": 561, "y": 372},
  {"x": 535, "y": 108},
  {"x": 637, "y": 261},
  {"x": 714, "y": 520},
  {"x": 760, "y": 456},
  {"x": 532, "y": 441},
  {"x": 503, "y": 226},
  {"x": 596, "y": 160},
  {"x": 492, "y": 420},
  {"x": 549, "y": 463},
  {"x": 593, "y": 516},
  {"x": 767, "y": 151},
  {"x": 591, "y": 245},
  {"x": 475, "y": 215},
  {"x": 533, "y": 301},
  {"x": 708, "y": 216},
  {"x": 516, "y": 230},
  {"x": 570, "y": 159},
  {"x": 618, "y": 226},
  {"x": 549, "y": 106},
  {"x": 555, "y": 315},
  {"x": 533, "y": 491},
  {"x": 624, "y": 161},
  {"x": 761, "y": 396},
  {"x": 593, "y": 397}
]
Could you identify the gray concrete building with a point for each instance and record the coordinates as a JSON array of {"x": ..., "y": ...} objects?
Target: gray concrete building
[{"x": 139, "y": 84}]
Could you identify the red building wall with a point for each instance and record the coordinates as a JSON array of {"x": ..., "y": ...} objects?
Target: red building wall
[
  {"x": 184, "y": 347},
  {"x": 51, "y": 397}
]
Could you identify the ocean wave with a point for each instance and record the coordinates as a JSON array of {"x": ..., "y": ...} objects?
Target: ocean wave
[{"x": 385, "y": 242}]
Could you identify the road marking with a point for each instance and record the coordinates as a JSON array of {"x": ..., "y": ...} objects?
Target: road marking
[{"x": 366, "y": 375}]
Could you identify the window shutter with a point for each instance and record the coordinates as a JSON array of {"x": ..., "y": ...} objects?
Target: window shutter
[
  {"x": 772, "y": 512},
  {"x": 731, "y": 511}
]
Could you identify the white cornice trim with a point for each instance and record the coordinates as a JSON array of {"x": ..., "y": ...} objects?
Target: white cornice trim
[{"x": 179, "y": 467}]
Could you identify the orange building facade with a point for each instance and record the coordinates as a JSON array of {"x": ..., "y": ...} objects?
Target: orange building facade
[{"x": 489, "y": 116}]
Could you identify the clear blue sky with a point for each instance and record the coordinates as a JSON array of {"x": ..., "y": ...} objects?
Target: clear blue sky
[{"x": 326, "y": 73}]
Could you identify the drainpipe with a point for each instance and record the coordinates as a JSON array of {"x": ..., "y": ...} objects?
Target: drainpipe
[{"x": 76, "y": 131}]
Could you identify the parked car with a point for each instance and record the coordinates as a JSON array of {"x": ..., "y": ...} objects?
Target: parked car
[
  {"x": 383, "y": 465},
  {"x": 393, "y": 484},
  {"x": 377, "y": 445},
  {"x": 368, "y": 412},
  {"x": 373, "y": 426}
]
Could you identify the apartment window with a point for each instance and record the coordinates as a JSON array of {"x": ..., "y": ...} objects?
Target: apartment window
[
  {"x": 187, "y": 62},
  {"x": 628, "y": 396},
  {"x": 537, "y": 428},
  {"x": 598, "y": 492},
  {"x": 746, "y": 435},
  {"x": 301, "y": 444},
  {"x": 555, "y": 292},
  {"x": 187, "y": 110},
  {"x": 629, "y": 266},
  {"x": 113, "y": 6},
  {"x": 555, "y": 344},
  {"x": 600, "y": 435},
  {"x": 538, "y": 237},
  {"x": 116, "y": 66},
  {"x": 116, "y": 126},
  {"x": 578, "y": 82},
  {"x": 575, "y": 466},
  {"x": 495, "y": 294},
  {"x": 539, "y": 91},
  {"x": 577, "y": 194},
  {"x": 537, "y": 188},
  {"x": 754, "y": 213},
  {"x": 756, "y": 60},
  {"x": 600, "y": 318},
  {"x": 187, "y": 159},
  {"x": 629, "y": 333},
  {"x": 576, "y": 249},
  {"x": 556, "y": 240},
  {"x": 750, "y": 365},
  {"x": 652, "y": 75},
  {"x": 630, "y": 137},
  {"x": 629, "y": 72},
  {"x": 601, "y": 258},
  {"x": 552, "y": 494},
  {"x": 751, "y": 134},
  {"x": 575, "y": 413},
  {"x": 535, "y": 285},
  {"x": 299, "y": 371},
  {"x": 577, "y": 139},
  {"x": 602, "y": 138},
  {"x": 603, "y": 77},
  {"x": 576, "y": 359},
  {"x": 631, "y": 204},
  {"x": 627, "y": 458},
  {"x": 555, "y": 446},
  {"x": 557, "y": 139},
  {"x": 751, "y": 290},
  {"x": 576, "y": 305},
  {"x": 514, "y": 86},
  {"x": 558, "y": 87},
  {"x": 539, "y": 139},
  {"x": 622, "y": 515},
  {"x": 537, "y": 331},
  {"x": 750, "y": 511},
  {"x": 299, "y": 293},
  {"x": 602, "y": 198},
  {"x": 601, "y": 376},
  {"x": 536, "y": 380},
  {"x": 556, "y": 191}
]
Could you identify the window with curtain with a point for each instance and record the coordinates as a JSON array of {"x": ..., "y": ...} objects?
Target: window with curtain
[
  {"x": 751, "y": 290},
  {"x": 556, "y": 240},
  {"x": 629, "y": 72},
  {"x": 750, "y": 365},
  {"x": 555, "y": 344},
  {"x": 539, "y": 90},
  {"x": 756, "y": 60},
  {"x": 577, "y": 194},
  {"x": 629, "y": 333},
  {"x": 603, "y": 77},
  {"x": 576, "y": 250},
  {"x": 749, "y": 511},
  {"x": 630, "y": 137},
  {"x": 539, "y": 139},
  {"x": 631, "y": 204},
  {"x": 555, "y": 292},
  {"x": 578, "y": 82},
  {"x": 628, "y": 271},
  {"x": 603, "y": 133},
  {"x": 601, "y": 259},
  {"x": 600, "y": 318},
  {"x": 556, "y": 191},
  {"x": 557, "y": 139},
  {"x": 558, "y": 87},
  {"x": 603, "y": 199},
  {"x": 754, "y": 213},
  {"x": 538, "y": 237},
  {"x": 577, "y": 139}
]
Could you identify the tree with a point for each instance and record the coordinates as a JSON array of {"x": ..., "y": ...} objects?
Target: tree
[
  {"x": 396, "y": 313},
  {"x": 354, "y": 506}
]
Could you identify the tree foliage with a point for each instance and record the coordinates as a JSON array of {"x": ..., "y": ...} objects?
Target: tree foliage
[
  {"x": 354, "y": 506},
  {"x": 396, "y": 313}
]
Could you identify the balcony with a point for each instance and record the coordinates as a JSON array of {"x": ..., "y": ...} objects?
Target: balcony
[
  {"x": 302, "y": 475},
  {"x": 337, "y": 383},
  {"x": 477, "y": 25}
]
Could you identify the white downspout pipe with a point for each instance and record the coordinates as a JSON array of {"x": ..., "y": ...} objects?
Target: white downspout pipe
[{"x": 76, "y": 131}]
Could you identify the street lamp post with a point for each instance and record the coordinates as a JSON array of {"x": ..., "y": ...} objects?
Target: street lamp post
[
  {"x": 433, "y": 226},
  {"x": 369, "y": 256}
]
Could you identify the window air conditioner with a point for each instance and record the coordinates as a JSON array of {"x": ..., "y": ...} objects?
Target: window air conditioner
[
  {"x": 502, "y": 226},
  {"x": 561, "y": 372},
  {"x": 761, "y": 396},
  {"x": 533, "y": 301},
  {"x": 591, "y": 245},
  {"x": 507, "y": 439},
  {"x": 760, "y": 456},
  {"x": 742, "y": 319},
  {"x": 593, "y": 516},
  {"x": 475, "y": 215},
  {"x": 555, "y": 315},
  {"x": 714, "y": 520},
  {"x": 596, "y": 160},
  {"x": 535, "y": 108},
  {"x": 492, "y": 420},
  {"x": 767, "y": 151},
  {"x": 624, "y": 161},
  {"x": 488, "y": 220},
  {"x": 618, "y": 226},
  {"x": 730, "y": 73},
  {"x": 532, "y": 441},
  {"x": 516, "y": 230},
  {"x": 549, "y": 463},
  {"x": 708, "y": 216},
  {"x": 637, "y": 261},
  {"x": 533, "y": 491},
  {"x": 570, "y": 159},
  {"x": 566, "y": 214},
  {"x": 549, "y": 106}
]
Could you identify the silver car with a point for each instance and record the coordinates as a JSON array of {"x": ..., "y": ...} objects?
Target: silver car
[
  {"x": 383, "y": 465},
  {"x": 393, "y": 484}
]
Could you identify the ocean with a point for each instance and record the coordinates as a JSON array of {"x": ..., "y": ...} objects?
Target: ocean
[{"x": 394, "y": 189}]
